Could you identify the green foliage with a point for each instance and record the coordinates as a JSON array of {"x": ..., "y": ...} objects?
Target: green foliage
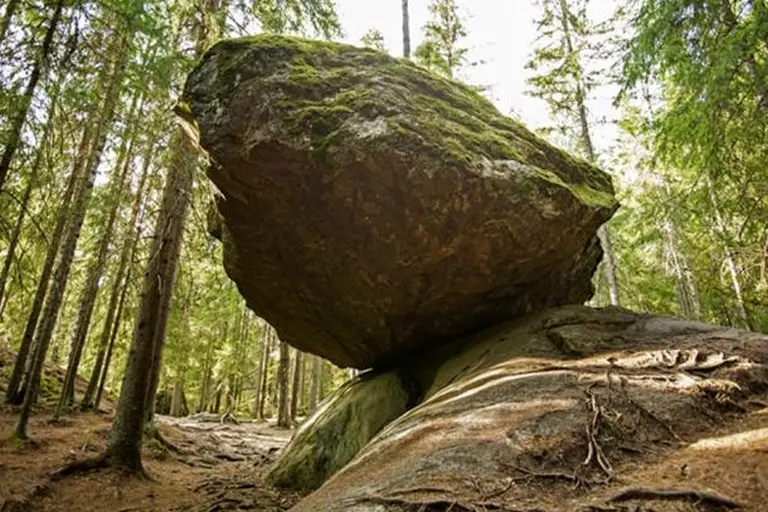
[
  {"x": 374, "y": 40},
  {"x": 441, "y": 50},
  {"x": 699, "y": 71},
  {"x": 297, "y": 16},
  {"x": 558, "y": 64}
]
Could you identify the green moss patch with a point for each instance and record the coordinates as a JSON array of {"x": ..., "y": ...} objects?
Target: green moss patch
[{"x": 330, "y": 84}]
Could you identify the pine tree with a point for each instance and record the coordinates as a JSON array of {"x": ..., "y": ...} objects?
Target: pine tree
[
  {"x": 563, "y": 82},
  {"x": 441, "y": 50},
  {"x": 14, "y": 138},
  {"x": 86, "y": 174},
  {"x": 709, "y": 137},
  {"x": 373, "y": 39}
]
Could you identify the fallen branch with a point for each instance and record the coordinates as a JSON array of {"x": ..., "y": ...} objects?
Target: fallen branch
[{"x": 642, "y": 493}]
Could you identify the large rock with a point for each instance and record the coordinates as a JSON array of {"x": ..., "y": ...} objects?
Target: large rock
[
  {"x": 340, "y": 428},
  {"x": 370, "y": 208},
  {"x": 565, "y": 410}
]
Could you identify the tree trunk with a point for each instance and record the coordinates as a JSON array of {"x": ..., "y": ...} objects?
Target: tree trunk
[
  {"x": 609, "y": 263},
  {"x": 685, "y": 282},
  {"x": 177, "y": 405},
  {"x": 130, "y": 240},
  {"x": 32, "y": 183},
  {"x": 296, "y": 387},
  {"x": 283, "y": 386},
  {"x": 257, "y": 397},
  {"x": 730, "y": 259},
  {"x": 303, "y": 384},
  {"x": 406, "y": 31},
  {"x": 15, "y": 392},
  {"x": 66, "y": 254},
  {"x": 113, "y": 338},
  {"x": 17, "y": 123},
  {"x": 207, "y": 376},
  {"x": 314, "y": 390},
  {"x": 10, "y": 10},
  {"x": 603, "y": 234},
  {"x": 268, "y": 335},
  {"x": 217, "y": 401},
  {"x": 96, "y": 270},
  {"x": 138, "y": 390}
]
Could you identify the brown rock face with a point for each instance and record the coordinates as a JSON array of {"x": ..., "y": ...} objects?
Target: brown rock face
[{"x": 370, "y": 209}]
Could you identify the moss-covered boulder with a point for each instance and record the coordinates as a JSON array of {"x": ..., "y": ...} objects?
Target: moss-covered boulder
[
  {"x": 340, "y": 428},
  {"x": 370, "y": 208}
]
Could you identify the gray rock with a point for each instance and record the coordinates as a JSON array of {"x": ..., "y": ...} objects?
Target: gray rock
[{"x": 562, "y": 410}]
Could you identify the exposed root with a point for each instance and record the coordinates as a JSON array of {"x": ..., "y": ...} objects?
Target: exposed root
[
  {"x": 228, "y": 417},
  {"x": 594, "y": 450},
  {"x": 643, "y": 493},
  {"x": 555, "y": 475},
  {"x": 665, "y": 425},
  {"x": 81, "y": 466},
  {"x": 103, "y": 461},
  {"x": 435, "y": 506},
  {"x": 425, "y": 490},
  {"x": 500, "y": 492},
  {"x": 152, "y": 432}
]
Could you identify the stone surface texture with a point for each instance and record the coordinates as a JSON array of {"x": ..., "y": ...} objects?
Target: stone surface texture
[{"x": 369, "y": 209}]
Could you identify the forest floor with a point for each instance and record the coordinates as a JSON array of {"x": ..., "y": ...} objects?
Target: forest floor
[{"x": 218, "y": 466}]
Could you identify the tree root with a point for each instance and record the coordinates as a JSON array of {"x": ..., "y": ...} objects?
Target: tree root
[
  {"x": 594, "y": 450},
  {"x": 81, "y": 466},
  {"x": 228, "y": 417},
  {"x": 152, "y": 432},
  {"x": 643, "y": 493},
  {"x": 555, "y": 475},
  {"x": 103, "y": 461},
  {"x": 441, "y": 505}
]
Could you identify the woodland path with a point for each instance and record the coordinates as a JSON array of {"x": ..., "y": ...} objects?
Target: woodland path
[{"x": 218, "y": 467}]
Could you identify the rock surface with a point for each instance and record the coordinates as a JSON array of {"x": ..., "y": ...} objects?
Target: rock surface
[
  {"x": 339, "y": 429},
  {"x": 563, "y": 410},
  {"x": 369, "y": 208}
]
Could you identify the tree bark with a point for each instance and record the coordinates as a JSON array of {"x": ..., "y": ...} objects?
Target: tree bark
[
  {"x": 130, "y": 240},
  {"x": 96, "y": 270},
  {"x": 138, "y": 390},
  {"x": 15, "y": 392},
  {"x": 314, "y": 390},
  {"x": 603, "y": 234},
  {"x": 177, "y": 406},
  {"x": 406, "y": 30},
  {"x": 283, "y": 386},
  {"x": 264, "y": 370},
  {"x": 296, "y": 387},
  {"x": 10, "y": 10},
  {"x": 67, "y": 252},
  {"x": 112, "y": 339},
  {"x": 730, "y": 259},
  {"x": 17, "y": 123},
  {"x": 207, "y": 375}
]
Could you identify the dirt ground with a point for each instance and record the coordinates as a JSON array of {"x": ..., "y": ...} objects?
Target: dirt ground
[{"x": 219, "y": 467}]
